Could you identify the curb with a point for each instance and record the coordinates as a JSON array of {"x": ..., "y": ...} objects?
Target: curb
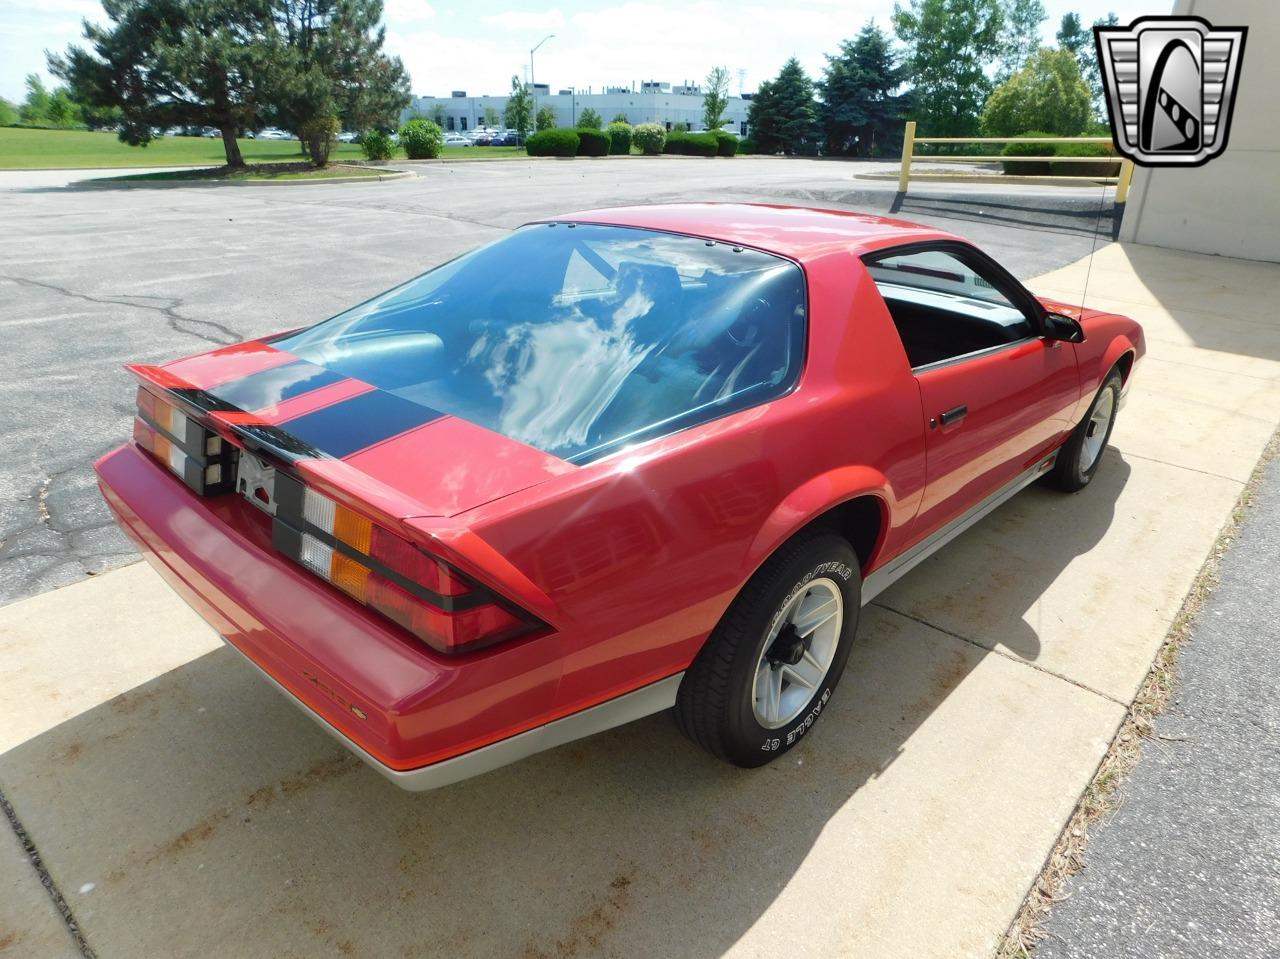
[
  {"x": 107, "y": 183},
  {"x": 1084, "y": 181}
]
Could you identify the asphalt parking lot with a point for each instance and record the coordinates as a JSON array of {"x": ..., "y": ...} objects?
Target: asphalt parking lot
[
  {"x": 180, "y": 805},
  {"x": 92, "y": 279}
]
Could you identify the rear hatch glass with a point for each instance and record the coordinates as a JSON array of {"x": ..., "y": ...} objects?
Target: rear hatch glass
[{"x": 577, "y": 339}]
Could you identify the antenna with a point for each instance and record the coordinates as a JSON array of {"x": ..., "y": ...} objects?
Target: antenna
[{"x": 1097, "y": 224}]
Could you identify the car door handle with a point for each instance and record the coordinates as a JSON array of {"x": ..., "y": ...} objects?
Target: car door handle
[{"x": 953, "y": 415}]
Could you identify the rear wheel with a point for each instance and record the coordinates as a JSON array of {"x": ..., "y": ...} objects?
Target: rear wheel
[
  {"x": 768, "y": 670},
  {"x": 1081, "y": 455}
]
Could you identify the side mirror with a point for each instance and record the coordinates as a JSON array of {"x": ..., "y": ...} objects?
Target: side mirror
[{"x": 1059, "y": 327}]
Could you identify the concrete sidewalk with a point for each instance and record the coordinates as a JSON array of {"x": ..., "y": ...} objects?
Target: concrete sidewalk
[{"x": 197, "y": 810}]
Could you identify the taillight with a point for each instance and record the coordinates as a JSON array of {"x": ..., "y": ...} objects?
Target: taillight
[
  {"x": 387, "y": 573},
  {"x": 196, "y": 454}
]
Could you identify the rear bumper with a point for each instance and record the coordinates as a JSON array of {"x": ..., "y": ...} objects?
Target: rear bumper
[{"x": 421, "y": 719}]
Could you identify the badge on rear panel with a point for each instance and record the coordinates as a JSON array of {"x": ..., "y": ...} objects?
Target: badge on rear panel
[{"x": 1170, "y": 86}]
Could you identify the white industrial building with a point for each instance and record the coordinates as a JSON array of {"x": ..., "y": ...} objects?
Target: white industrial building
[{"x": 648, "y": 102}]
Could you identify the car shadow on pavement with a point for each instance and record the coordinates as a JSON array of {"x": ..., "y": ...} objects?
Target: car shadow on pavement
[
  {"x": 989, "y": 585},
  {"x": 204, "y": 808}
]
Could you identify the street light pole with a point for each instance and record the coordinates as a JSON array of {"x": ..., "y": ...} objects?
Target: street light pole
[{"x": 533, "y": 88}]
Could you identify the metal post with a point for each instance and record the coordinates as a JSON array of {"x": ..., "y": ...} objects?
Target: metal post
[
  {"x": 1126, "y": 177},
  {"x": 533, "y": 87},
  {"x": 908, "y": 146}
]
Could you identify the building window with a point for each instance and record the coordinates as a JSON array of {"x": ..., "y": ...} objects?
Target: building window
[
  {"x": 450, "y": 123},
  {"x": 668, "y": 126},
  {"x": 464, "y": 123},
  {"x": 742, "y": 128}
]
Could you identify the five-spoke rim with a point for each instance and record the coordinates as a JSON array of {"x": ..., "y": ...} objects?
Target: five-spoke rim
[
  {"x": 797, "y": 653},
  {"x": 1096, "y": 432}
]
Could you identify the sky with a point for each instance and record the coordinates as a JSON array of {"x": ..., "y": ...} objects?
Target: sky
[{"x": 477, "y": 46}]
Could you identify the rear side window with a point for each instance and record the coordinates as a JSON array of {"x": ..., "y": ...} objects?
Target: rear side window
[
  {"x": 579, "y": 340},
  {"x": 943, "y": 307}
]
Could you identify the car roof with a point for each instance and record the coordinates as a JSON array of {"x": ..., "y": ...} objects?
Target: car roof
[{"x": 800, "y": 233}]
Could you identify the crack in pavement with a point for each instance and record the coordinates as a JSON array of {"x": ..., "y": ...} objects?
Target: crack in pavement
[
  {"x": 172, "y": 317},
  {"x": 51, "y": 887}
]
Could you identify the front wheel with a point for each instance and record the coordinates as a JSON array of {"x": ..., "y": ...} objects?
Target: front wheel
[
  {"x": 1081, "y": 455},
  {"x": 769, "y": 668}
]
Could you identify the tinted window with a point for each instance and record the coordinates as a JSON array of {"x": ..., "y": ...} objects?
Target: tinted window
[
  {"x": 943, "y": 307},
  {"x": 579, "y": 340}
]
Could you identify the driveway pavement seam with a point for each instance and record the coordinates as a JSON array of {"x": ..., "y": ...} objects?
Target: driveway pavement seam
[
  {"x": 1180, "y": 466},
  {"x": 51, "y": 886},
  {"x": 1000, "y": 652}
]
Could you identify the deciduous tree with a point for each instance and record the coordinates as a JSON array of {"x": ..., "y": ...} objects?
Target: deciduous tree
[
  {"x": 546, "y": 118},
  {"x": 518, "y": 114},
  {"x": 716, "y": 99},
  {"x": 1020, "y": 37},
  {"x": 950, "y": 44},
  {"x": 588, "y": 119},
  {"x": 1046, "y": 95}
]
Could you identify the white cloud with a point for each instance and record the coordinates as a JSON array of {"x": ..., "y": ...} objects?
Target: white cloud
[
  {"x": 525, "y": 19},
  {"x": 408, "y": 11}
]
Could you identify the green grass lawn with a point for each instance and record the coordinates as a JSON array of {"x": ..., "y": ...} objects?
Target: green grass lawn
[{"x": 71, "y": 149}]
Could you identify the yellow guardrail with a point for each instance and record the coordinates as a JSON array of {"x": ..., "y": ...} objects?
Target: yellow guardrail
[{"x": 910, "y": 140}]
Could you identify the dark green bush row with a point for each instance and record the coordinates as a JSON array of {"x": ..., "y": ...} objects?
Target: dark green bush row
[
  {"x": 619, "y": 138},
  {"x": 556, "y": 142},
  {"x": 593, "y": 143},
  {"x": 726, "y": 143},
  {"x": 691, "y": 144},
  {"x": 1047, "y": 167}
]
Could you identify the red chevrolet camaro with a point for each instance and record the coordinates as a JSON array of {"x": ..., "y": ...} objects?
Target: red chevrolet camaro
[{"x": 612, "y": 463}]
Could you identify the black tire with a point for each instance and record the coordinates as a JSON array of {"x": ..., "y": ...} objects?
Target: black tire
[
  {"x": 1069, "y": 473},
  {"x": 714, "y": 707}
]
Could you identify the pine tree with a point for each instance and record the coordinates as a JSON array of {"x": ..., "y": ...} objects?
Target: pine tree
[
  {"x": 860, "y": 112},
  {"x": 783, "y": 115},
  {"x": 950, "y": 44}
]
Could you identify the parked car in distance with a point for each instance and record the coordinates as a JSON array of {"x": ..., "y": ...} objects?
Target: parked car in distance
[
  {"x": 482, "y": 140},
  {"x": 611, "y": 463},
  {"x": 274, "y": 133},
  {"x": 348, "y": 136},
  {"x": 454, "y": 140}
]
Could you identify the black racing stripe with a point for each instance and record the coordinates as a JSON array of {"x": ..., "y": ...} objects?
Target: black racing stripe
[
  {"x": 272, "y": 439},
  {"x": 352, "y": 425},
  {"x": 267, "y": 388}
]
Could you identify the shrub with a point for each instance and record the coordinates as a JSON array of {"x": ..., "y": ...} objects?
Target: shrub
[
  {"x": 747, "y": 145},
  {"x": 619, "y": 138},
  {"x": 376, "y": 145},
  {"x": 1029, "y": 150},
  {"x": 691, "y": 144},
  {"x": 556, "y": 142},
  {"x": 422, "y": 139},
  {"x": 620, "y": 118},
  {"x": 726, "y": 143},
  {"x": 320, "y": 134},
  {"x": 650, "y": 138},
  {"x": 1103, "y": 168},
  {"x": 593, "y": 143}
]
